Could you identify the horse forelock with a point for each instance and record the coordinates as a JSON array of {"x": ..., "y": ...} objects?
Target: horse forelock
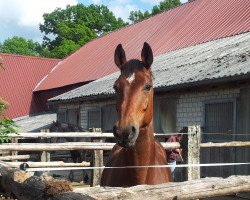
[{"x": 133, "y": 66}]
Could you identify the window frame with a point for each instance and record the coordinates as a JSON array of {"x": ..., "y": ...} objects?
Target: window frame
[
  {"x": 62, "y": 111},
  {"x": 217, "y": 101},
  {"x": 100, "y": 117}
]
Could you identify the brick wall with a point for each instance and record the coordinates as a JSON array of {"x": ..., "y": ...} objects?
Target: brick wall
[
  {"x": 190, "y": 106},
  {"x": 84, "y": 108}
]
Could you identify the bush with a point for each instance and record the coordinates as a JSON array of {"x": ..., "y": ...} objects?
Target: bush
[{"x": 6, "y": 125}]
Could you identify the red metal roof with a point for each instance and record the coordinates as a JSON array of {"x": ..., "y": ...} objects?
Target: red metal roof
[
  {"x": 18, "y": 80},
  {"x": 189, "y": 24}
]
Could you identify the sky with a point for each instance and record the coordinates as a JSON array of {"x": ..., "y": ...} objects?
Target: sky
[{"x": 22, "y": 17}]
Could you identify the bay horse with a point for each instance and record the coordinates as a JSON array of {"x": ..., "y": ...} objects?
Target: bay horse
[{"x": 136, "y": 145}]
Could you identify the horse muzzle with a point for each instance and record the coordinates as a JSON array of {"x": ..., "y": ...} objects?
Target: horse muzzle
[{"x": 126, "y": 137}]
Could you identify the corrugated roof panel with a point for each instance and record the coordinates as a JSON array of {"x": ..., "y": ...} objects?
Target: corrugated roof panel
[
  {"x": 19, "y": 78},
  {"x": 218, "y": 60},
  {"x": 189, "y": 24}
]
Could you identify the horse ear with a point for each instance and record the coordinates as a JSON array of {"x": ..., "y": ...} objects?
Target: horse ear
[
  {"x": 147, "y": 55},
  {"x": 120, "y": 57}
]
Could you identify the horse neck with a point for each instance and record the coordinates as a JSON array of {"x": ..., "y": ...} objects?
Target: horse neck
[{"x": 144, "y": 149}]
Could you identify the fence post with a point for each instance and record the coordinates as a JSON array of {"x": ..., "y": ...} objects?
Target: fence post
[
  {"x": 193, "y": 152},
  {"x": 45, "y": 156},
  {"x": 14, "y": 153},
  {"x": 97, "y": 160}
]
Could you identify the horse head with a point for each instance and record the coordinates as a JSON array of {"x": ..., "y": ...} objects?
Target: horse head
[{"x": 134, "y": 95}]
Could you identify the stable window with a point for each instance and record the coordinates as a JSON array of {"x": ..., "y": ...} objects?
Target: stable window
[
  {"x": 103, "y": 117},
  {"x": 219, "y": 118},
  {"x": 94, "y": 118},
  {"x": 219, "y": 125},
  {"x": 73, "y": 116},
  {"x": 61, "y": 116},
  {"x": 109, "y": 117}
]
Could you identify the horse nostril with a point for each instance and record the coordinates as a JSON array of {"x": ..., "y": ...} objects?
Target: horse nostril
[
  {"x": 126, "y": 136},
  {"x": 133, "y": 129}
]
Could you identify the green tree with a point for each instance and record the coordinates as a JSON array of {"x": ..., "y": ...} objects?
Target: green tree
[
  {"x": 6, "y": 125},
  {"x": 21, "y": 46},
  {"x": 136, "y": 16},
  {"x": 74, "y": 26}
]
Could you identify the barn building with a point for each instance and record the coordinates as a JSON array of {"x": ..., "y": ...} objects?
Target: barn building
[
  {"x": 201, "y": 76},
  {"x": 17, "y": 81},
  {"x": 201, "y": 71}
]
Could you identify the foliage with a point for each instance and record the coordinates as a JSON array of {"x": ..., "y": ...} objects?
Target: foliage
[
  {"x": 6, "y": 125},
  {"x": 136, "y": 16},
  {"x": 68, "y": 29},
  {"x": 21, "y": 46}
]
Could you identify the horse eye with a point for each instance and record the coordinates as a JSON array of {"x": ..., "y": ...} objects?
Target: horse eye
[{"x": 147, "y": 86}]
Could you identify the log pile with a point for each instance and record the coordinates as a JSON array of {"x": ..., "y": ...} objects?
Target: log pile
[{"x": 25, "y": 186}]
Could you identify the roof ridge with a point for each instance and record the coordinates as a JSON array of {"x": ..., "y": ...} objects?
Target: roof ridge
[{"x": 53, "y": 68}]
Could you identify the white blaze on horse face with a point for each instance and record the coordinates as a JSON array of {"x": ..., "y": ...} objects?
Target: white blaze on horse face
[{"x": 131, "y": 78}]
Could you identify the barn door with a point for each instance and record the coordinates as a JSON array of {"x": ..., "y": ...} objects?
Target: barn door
[
  {"x": 243, "y": 131},
  {"x": 219, "y": 125}
]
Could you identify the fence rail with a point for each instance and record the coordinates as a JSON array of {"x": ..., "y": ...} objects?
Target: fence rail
[
  {"x": 69, "y": 146},
  {"x": 192, "y": 141},
  {"x": 74, "y": 134}
]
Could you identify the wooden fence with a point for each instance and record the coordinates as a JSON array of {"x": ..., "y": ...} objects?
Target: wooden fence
[{"x": 191, "y": 150}]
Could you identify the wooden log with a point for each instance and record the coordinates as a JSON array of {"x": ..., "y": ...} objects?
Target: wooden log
[
  {"x": 227, "y": 144},
  {"x": 193, "y": 152},
  {"x": 97, "y": 160},
  {"x": 17, "y": 157},
  {"x": 4, "y": 153},
  {"x": 45, "y": 155},
  {"x": 27, "y": 187},
  {"x": 76, "y": 134},
  {"x": 69, "y": 146},
  {"x": 14, "y": 140},
  {"x": 24, "y": 186},
  {"x": 50, "y": 164},
  {"x": 63, "y": 135},
  {"x": 195, "y": 189}
]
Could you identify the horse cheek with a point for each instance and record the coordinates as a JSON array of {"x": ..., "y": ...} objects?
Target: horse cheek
[{"x": 147, "y": 111}]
